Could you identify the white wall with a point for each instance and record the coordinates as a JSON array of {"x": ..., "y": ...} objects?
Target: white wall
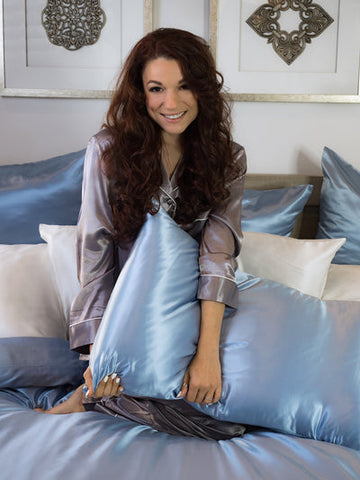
[
  {"x": 33, "y": 129},
  {"x": 278, "y": 137}
]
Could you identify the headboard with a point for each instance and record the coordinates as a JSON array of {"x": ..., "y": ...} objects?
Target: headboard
[{"x": 307, "y": 222}]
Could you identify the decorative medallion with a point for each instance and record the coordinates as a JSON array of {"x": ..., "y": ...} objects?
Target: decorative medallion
[
  {"x": 72, "y": 24},
  {"x": 313, "y": 20}
]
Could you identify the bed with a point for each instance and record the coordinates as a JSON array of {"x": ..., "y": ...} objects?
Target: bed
[{"x": 291, "y": 358}]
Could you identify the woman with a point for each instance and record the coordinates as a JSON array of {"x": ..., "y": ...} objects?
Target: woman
[{"x": 166, "y": 137}]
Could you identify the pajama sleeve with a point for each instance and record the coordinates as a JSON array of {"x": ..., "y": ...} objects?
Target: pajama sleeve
[
  {"x": 221, "y": 243},
  {"x": 95, "y": 252}
]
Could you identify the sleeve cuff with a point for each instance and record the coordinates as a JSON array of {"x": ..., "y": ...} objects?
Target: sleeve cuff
[
  {"x": 83, "y": 334},
  {"x": 218, "y": 289}
]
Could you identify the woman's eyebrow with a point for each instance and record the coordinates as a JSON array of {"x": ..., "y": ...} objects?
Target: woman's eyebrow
[
  {"x": 153, "y": 81},
  {"x": 159, "y": 83}
]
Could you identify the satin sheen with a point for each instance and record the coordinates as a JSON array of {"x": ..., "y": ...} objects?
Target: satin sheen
[
  {"x": 38, "y": 362},
  {"x": 162, "y": 265},
  {"x": 290, "y": 361},
  {"x": 273, "y": 211},
  {"x": 48, "y": 191},
  {"x": 340, "y": 206},
  {"x": 92, "y": 446}
]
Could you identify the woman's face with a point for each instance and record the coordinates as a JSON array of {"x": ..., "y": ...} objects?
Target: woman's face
[{"x": 169, "y": 101}]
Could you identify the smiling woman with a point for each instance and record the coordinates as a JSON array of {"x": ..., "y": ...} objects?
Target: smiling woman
[{"x": 164, "y": 144}]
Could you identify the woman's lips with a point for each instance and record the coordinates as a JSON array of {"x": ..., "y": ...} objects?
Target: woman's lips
[{"x": 174, "y": 116}]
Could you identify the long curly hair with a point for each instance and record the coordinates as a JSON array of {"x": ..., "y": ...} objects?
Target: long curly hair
[{"x": 132, "y": 159}]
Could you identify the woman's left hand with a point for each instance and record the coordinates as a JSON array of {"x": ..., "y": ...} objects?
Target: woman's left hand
[{"x": 202, "y": 380}]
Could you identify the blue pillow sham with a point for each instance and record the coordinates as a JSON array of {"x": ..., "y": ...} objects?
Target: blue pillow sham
[
  {"x": 340, "y": 206},
  {"x": 41, "y": 192},
  {"x": 273, "y": 211},
  {"x": 290, "y": 361},
  {"x": 38, "y": 362}
]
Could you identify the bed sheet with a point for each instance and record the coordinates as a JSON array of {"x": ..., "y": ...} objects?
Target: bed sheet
[{"x": 91, "y": 445}]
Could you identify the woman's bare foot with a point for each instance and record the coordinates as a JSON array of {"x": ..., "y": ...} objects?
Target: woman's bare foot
[{"x": 71, "y": 405}]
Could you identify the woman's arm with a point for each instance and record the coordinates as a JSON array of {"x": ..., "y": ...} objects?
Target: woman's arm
[
  {"x": 217, "y": 287},
  {"x": 202, "y": 380},
  {"x": 96, "y": 258}
]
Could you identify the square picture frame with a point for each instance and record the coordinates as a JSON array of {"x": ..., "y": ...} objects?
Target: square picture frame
[
  {"x": 31, "y": 65},
  {"x": 326, "y": 71}
]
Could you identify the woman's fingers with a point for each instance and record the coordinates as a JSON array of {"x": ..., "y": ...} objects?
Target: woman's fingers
[
  {"x": 110, "y": 386},
  {"x": 184, "y": 387}
]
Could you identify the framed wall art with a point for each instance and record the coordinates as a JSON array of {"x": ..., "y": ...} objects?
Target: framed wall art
[
  {"x": 288, "y": 50},
  {"x": 67, "y": 48},
  {"x": 185, "y": 14}
]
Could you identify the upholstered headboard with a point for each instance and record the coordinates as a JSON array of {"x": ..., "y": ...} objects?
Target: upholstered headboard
[{"x": 307, "y": 222}]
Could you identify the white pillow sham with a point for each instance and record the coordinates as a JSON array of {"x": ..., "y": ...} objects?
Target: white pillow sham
[
  {"x": 29, "y": 302},
  {"x": 299, "y": 264},
  {"x": 61, "y": 242},
  {"x": 343, "y": 283}
]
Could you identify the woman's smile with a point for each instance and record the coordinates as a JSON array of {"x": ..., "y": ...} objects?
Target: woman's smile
[{"x": 174, "y": 116}]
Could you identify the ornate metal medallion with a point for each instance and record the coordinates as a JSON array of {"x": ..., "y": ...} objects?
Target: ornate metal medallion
[
  {"x": 72, "y": 24},
  {"x": 313, "y": 20}
]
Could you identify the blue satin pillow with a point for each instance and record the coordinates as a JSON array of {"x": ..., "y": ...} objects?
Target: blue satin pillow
[
  {"x": 41, "y": 192},
  {"x": 153, "y": 302},
  {"x": 340, "y": 206},
  {"x": 290, "y": 361},
  {"x": 38, "y": 362},
  {"x": 273, "y": 211}
]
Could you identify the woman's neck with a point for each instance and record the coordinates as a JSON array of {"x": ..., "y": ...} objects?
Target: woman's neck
[{"x": 171, "y": 152}]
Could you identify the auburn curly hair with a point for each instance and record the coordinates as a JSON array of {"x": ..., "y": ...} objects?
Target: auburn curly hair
[{"x": 132, "y": 159}]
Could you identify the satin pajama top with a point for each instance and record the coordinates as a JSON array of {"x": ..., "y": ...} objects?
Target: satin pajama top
[{"x": 100, "y": 259}]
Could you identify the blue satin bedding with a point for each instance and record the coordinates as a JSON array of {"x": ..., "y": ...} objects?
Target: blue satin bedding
[{"x": 92, "y": 445}]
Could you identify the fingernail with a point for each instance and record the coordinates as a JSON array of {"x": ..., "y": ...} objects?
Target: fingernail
[
  {"x": 117, "y": 380},
  {"x": 106, "y": 378},
  {"x": 121, "y": 389},
  {"x": 113, "y": 376},
  {"x": 179, "y": 394}
]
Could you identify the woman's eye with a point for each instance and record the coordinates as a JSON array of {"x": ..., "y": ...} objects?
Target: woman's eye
[
  {"x": 155, "y": 89},
  {"x": 184, "y": 86}
]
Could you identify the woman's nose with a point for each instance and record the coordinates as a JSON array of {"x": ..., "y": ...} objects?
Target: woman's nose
[{"x": 171, "y": 99}]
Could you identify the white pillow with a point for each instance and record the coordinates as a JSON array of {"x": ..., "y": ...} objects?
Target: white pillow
[
  {"x": 343, "y": 283},
  {"x": 299, "y": 264},
  {"x": 29, "y": 303},
  {"x": 61, "y": 242}
]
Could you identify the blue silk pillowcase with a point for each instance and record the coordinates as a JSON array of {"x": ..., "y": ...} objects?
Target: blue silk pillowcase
[
  {"x": 290, "y": 361},
  {"x": 41, "y": 192},
  {"x": 340, "y": 206},
  {"x": 273, "y": 211},
  {"x": 38, "y": 362},
  {"x": 49, "y": 192}
]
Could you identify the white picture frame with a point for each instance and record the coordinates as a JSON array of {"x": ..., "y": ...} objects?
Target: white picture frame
[
  {"x": 31, "y": 66},
  {"x": 327, "y": 71}
]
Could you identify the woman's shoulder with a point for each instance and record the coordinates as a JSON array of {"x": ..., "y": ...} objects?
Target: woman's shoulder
[
  {"x": 239, "y": 156},
  {"x": 101, "y": 139}
]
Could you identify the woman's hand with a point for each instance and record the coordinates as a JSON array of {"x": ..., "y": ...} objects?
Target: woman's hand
[
  {"x": 110, "y": 386},
  {"x": 202, "y": 380}
]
